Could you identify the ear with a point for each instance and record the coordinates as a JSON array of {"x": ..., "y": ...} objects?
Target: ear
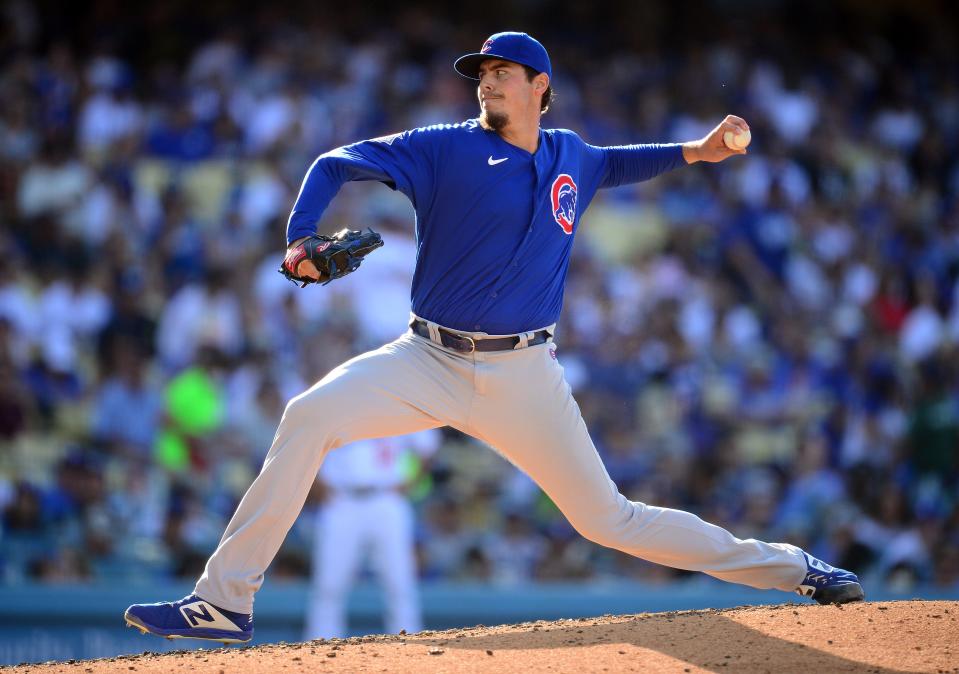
[{"x": 540, "y": 82}]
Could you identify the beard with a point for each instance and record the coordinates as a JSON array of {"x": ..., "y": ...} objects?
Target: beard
[{"x": 496, "y": 121}]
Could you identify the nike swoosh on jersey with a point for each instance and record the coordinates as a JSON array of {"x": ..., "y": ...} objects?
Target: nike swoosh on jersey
[{"x": 494, "y": 162}]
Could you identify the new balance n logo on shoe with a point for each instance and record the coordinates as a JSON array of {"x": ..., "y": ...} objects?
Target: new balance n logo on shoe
[
  {"x": 200, "y": 610},
  {"x": 819, "y": 564},
  {"x": 193, "y": 616}
]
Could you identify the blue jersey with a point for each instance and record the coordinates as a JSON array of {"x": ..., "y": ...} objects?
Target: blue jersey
[{"x": 494, "y": 223}]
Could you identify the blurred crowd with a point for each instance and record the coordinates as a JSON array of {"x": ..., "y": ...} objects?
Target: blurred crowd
[{"x": 771, "y": 343}]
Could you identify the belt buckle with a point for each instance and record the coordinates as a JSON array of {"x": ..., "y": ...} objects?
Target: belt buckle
[{"x": 460, "y": 339}]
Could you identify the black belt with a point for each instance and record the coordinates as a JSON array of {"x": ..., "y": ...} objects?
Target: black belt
[{"x": 467, "y": 344}]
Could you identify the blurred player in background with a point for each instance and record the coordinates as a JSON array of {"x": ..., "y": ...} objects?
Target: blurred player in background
[{"x": 366, "y": 511}]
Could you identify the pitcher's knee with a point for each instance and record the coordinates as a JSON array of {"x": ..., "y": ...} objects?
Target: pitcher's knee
[
  {"x": 611, "y": 526},
  {"x": 311, "y": 406},
  {"x": 305, "y": 420}
]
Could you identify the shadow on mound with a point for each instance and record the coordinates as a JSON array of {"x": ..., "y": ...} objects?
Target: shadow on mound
[{"x": 712, "y": 640}]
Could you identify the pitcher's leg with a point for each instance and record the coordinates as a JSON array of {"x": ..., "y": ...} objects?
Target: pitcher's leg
[
  {"x": 391, "y": 391},
  {"x": 527, "y": 412}
]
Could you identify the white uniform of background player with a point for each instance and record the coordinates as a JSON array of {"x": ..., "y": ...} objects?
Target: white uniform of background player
[{"x": 366, "y": 515}]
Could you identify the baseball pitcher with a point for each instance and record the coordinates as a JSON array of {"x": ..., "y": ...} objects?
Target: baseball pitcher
[{"x": 498, "y": 202}]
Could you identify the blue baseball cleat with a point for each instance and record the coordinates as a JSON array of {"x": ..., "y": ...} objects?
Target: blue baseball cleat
[
  {"x": 829, "y": 585},
  {"x": 191, "y": 618}
]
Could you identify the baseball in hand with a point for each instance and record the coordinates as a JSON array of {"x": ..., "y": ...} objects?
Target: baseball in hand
[{"x": 737, "y": 141}]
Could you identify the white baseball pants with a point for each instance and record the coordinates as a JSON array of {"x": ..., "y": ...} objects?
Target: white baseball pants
[
  {"x": 347, "y": 526},
  {"x": 517, "y": 401}
]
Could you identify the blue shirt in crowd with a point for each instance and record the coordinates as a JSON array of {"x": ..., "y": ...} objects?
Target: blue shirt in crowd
[{"x": 494, "y": 223}]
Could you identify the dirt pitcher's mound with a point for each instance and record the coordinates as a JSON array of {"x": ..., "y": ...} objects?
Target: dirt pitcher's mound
[{"x": 907, "y": 636}]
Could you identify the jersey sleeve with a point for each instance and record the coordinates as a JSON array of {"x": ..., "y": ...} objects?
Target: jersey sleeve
[
  {"x": 401, "y": 161},
  {"x": 623, "y": 164}
]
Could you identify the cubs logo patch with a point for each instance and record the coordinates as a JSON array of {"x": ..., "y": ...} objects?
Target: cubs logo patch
[
  {"x": 563, "y": 198},
  {"x": 486, "y": 46}
]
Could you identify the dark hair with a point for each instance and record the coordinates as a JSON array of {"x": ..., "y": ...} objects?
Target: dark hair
[{"x": 548, "y": 96}]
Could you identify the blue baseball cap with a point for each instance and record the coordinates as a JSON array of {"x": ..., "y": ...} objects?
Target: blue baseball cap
[{"x": 509, "y": 46}]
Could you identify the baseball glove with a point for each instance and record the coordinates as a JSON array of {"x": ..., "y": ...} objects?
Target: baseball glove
[{"x": 333, "y": 256}]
